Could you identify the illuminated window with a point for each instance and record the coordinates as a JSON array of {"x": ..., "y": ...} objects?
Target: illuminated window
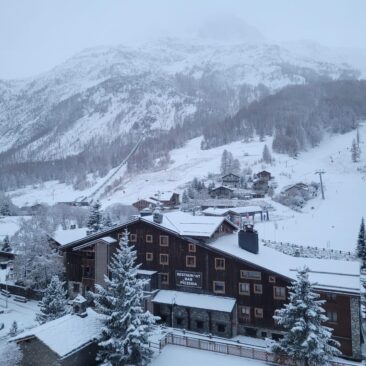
[
  {"x": 219, "y": 287},
  {"x": 244, "y": 288},
  {"x": 164, "y": 278},
  {"x": 190, "y": 261},
  {"x": 219, "y": 263}
]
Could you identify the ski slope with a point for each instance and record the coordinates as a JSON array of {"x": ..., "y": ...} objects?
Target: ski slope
[{"x": 331, "y": 223}]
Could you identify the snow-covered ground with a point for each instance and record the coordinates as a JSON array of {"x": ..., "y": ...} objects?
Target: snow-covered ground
[
  {"x": 23, "y": 313},
  {"x": 182, "y": 356},
  {"x": 9, "y": 225},
  {"x": 332, "y": 223}
]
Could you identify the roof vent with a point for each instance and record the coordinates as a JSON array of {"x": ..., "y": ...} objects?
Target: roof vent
[
  {"x": 248, "y": 239},
  {"x": 157, "y": 216}
]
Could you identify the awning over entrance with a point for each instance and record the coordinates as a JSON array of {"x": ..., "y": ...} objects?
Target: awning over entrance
[{"x": 198, "y": 301}]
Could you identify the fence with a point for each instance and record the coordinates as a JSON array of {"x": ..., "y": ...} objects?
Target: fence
[{"x": 255, "y": 353}]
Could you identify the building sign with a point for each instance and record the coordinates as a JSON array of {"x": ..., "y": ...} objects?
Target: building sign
[{"x": 188, "y": 279}]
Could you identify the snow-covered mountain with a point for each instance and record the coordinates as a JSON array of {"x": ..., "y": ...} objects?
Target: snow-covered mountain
[{"x": 106, "y": 92}]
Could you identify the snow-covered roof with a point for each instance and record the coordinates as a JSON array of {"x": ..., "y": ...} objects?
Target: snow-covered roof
[
  {"x": 199, "y": 301},
  {"x": 64, "y": 237},
  {"x": 336, "y": 275},
  {"x": 236, "y": 210},
  {"x": 186, "y": 224},
  {"x": 79, "y": 299},
  {"x": 68, "y": 333},
  {"x": 145, "y": 272},
  {"x": 163, "y": 196}
]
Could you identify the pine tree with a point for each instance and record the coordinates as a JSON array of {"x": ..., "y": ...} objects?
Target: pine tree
[
  {"x": 355, "y": 151},
  {"x": 124, "y": 338},
  {"x": 95, "y": 218},
  {"x": 306, "y": 340},
  {"x": 54, "y": 303},
  {"x": 106, "y": 221},
  {"x": 266, "y": 155},
  {"x": 185, "y": 198},
  {"x": 13, "y": 331},
  {"x": 361, "y": 242},
  {"x": 6, "y": 245}
]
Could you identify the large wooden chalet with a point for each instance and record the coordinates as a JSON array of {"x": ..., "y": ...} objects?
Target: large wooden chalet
[{"x": 207, "y": 276}]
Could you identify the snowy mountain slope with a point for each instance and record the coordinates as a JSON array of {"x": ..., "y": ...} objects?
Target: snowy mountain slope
[
  {"x": 332, "y": 223},
  {"x": 108, "y": 91}
]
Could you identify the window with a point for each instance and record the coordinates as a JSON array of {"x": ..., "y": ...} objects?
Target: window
[
  {"x": 279, "y": 293},
  {"x": 190, "y": 261},
  {"x": 164, "y": 258},
  {"x": 272, "y": 279},
  {"x": 164, "y": 240},
  {"x": 332, "y": 316},
  {"x": 120, "y": 236},
  {"x": 258, "y": 312},
  {"x": 164, "y": 278},
  {"x": 149, "y": 238},
  {"x": 199, "y": 324},
  {"x": 149, "y": 257},
  {"x": 221, "y": 327},
  {"x": 257, "y": 289},
  {"x": 192, "y": 248},
  {"x": 219, "y": 263},
  {"x": 330, "y": 297},
  {"x": 244, "y": 288},
  {"x": 251, "y": 275},
  {"x": 133, "y": 238},
  {"x": 244, "y": 312},
  {"x": 76, "y": 287},
  {"x": 219, "y": 287}
]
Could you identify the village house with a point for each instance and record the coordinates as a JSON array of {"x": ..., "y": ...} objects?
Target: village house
[
  {"x": 231, "y": 180},
  {"x": 235, "y": 214},
  {"x": 295, "y": 189},
  {"x": 142, "y": 204},
  {"x": 263, "y": 175},
  {"x": 67, "y": 341},
  {"x": 221, "y": 192},
  {"x": 208, "y": 276},
  {"x": 166, "y": 199}
]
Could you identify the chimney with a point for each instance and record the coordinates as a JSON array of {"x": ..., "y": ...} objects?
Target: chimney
[
  {"x": 79, "y": 306},
  {"x": 157, "y": 216},
  {"x": 248, "y": 239}
]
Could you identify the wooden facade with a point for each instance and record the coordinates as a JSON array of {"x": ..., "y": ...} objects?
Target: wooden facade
[
  {"x": 258, "y": 292},
  {"x": 231, "y": 180}
]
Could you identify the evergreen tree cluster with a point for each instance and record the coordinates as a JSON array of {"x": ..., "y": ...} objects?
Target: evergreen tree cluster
[
  {"x": 355, "y": 150},
  {"x": 125, "y": 336},
  {"x": 361, "y": 241},
  {"x": 266, "y": 155},
  {"x": 54, "y": 302},
  {"x": 97, "y": 220},
  {"x": 229, "y": 164},
  {"x": 306, "y": 341},
  {"x": 297, "y": 116}
]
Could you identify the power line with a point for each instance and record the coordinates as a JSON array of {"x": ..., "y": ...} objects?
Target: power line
[{"x": 320, "y": 172}]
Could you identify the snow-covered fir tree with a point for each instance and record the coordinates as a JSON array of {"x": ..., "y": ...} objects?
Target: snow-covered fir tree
[
  {"x": 361, "y": 241},
  {"x": 6, "y": 245},
  {"x": 54, "y": 302},
  {"x": 306, "y": 341},
  {"x": 124, "y": 338},
  {"x": 106, "y": 221},
  {"x": 36, "y": 262},
  {"x": 94, "y": 223},
  {"x": 355, "y": 151},
  {"x": 11, "y": 355},
  {"x": 13, "y": 331},
  {"x": 185, "y": 198},
  {"x": 266, "y": 155}
]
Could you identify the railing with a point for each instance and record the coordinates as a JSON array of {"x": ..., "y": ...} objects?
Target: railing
[{"x": 255, "y": 353}]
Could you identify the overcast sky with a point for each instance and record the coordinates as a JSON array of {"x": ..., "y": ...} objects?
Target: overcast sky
[{"x": 36, "y": 35}]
